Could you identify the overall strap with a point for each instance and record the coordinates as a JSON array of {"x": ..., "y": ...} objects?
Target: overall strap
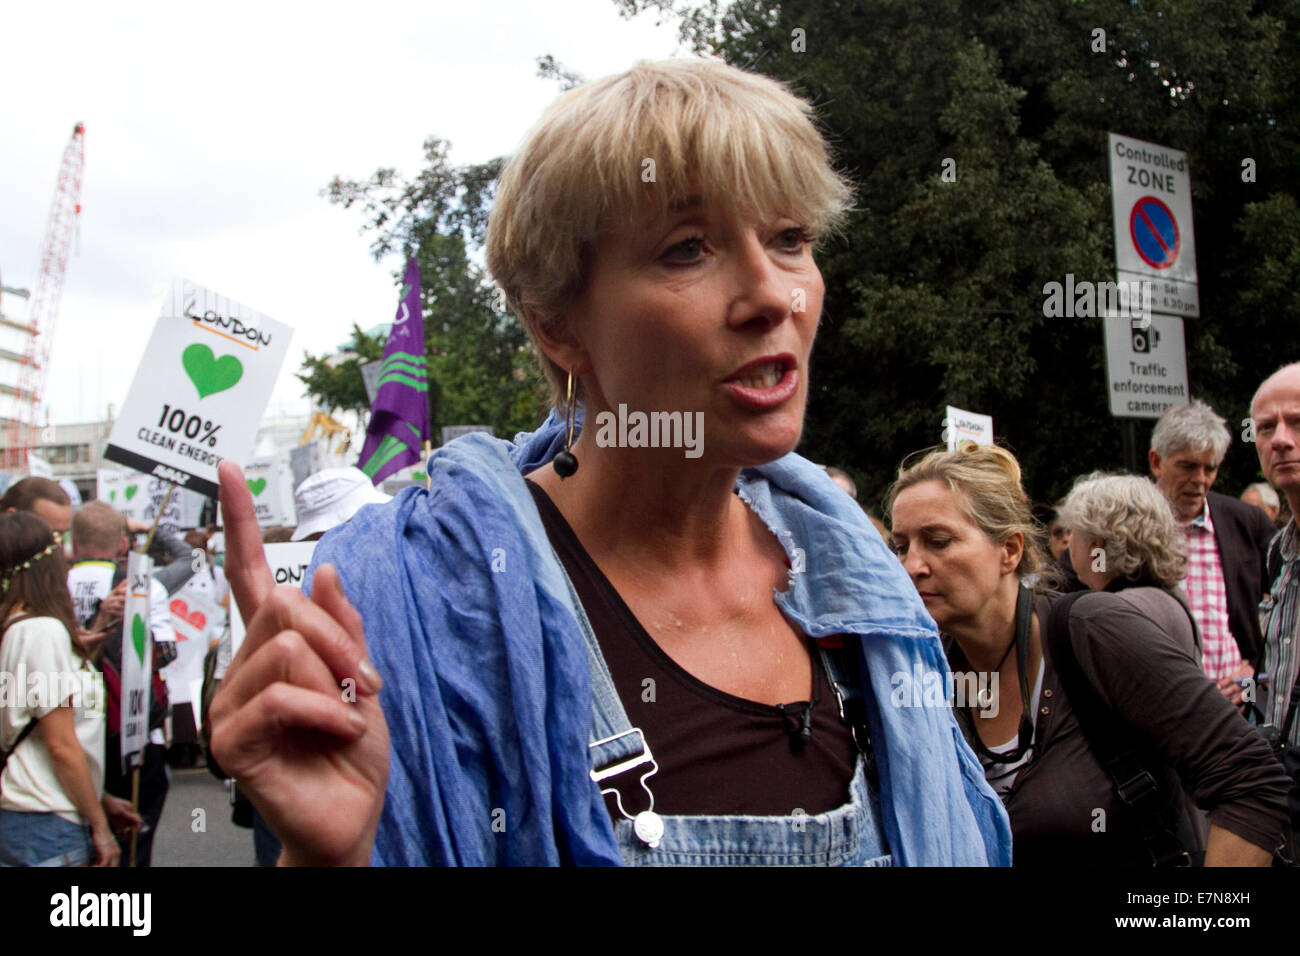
[
  {"x": 844, "y": 673},
  {"x": 616, "y": 748},
  {"x": 1108, "y": 739}
]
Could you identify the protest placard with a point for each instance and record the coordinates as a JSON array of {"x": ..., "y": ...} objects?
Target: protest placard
[
  {"x": 200, "y": 390},
  {"x": 137, "y": 659},
  {"x": 288, "y": 562}
]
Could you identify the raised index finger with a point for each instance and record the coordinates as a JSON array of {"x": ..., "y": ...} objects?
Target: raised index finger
[{"x": 246, "y": 568}]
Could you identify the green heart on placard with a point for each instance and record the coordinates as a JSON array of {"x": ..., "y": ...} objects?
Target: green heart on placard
[
  {"x": 112, "y": 494},
  {"x": 131, "y": 490},
  {"x": 257, "y": 486},
  {"x": 209, "y": 373},
  {"x": 137, "y": 636}
]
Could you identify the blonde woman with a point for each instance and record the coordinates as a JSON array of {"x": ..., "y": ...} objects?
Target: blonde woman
[
  {"x": 653, "y": 650},
  {"x": 1136, "y": 704}
]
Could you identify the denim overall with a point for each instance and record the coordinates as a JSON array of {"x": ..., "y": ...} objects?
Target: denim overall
[{"x": 850, "y": 835}]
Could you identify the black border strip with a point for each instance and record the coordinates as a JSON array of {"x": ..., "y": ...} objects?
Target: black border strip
[{"x": 148, "y": 466}]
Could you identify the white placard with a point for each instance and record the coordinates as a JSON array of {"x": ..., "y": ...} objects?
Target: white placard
[
  {"x": 963, "y": 426},
  {"x": 201, "y": 388},
  {"x": 1151, "y": 196},
  {"x": 270, "y": 482},
  {"x": 194, "y": 616},
  {"x": 196, "y": 619},
  {"x": 1146, "y": 368},
  {"x": 39, "y": 467},
  {"x": 139, "y": 496},
  {"x": 288, "y": 561},
  {"x": 137, "y": 659}
]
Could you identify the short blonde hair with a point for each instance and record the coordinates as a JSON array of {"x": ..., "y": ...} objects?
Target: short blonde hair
[
  {"x": 1133, "y": 519},
  {"x": 98, "y": 527},
  {"x": 986, "y": 481},
  {"x": 735, "y": 138}
]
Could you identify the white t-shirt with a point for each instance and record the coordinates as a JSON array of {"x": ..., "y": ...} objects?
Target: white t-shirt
[
  {"x": 91, "y": 581},
  {"x": 39, "y": 671}
]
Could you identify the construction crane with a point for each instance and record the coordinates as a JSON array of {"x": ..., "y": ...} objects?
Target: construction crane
[
  {"x": 43, "y": 306},
  {"x": 329, "y": 429}
]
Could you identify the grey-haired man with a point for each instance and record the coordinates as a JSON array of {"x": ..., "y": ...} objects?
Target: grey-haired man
[{"x": 1227, "y": 542}]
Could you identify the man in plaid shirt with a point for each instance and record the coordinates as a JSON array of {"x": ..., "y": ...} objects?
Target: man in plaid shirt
[{"x": 1227, "y": 542}]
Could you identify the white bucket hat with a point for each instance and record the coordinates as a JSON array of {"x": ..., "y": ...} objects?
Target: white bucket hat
[{"x": 332, "y": 496}]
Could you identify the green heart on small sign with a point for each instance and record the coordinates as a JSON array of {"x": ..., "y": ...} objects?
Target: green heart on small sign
[
  {"x": 112, "y": 494},
  {"x": 257, "y": 486},
  {"x": 209, "y": 373},
  {"x": 131, "y": 490},
  {"x": 137, "y": 636}
]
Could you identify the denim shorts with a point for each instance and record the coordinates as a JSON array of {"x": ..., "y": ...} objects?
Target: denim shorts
[
  {"x": 850, "y": 835},
  {"x": 43, "y": 839}
]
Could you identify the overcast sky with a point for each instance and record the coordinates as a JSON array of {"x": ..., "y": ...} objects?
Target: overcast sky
[{"x": 212, "y": 128}]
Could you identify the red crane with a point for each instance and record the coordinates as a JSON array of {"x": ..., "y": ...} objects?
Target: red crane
[{"x": 43, "y": 306}]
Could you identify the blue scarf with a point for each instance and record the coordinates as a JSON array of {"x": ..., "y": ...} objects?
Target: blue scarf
[{"x": 469, "y": 620}]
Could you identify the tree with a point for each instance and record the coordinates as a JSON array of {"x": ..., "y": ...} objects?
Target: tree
[
  {"x": 481, "y": 371},
  {"x": 341, "y": 386},
  {"x": 935, "y": 289}
]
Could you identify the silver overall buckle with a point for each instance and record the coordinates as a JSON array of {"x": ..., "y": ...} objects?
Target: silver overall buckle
[{"x": 647, "y": 825}]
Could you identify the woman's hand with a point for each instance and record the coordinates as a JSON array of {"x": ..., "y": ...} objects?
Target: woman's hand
[
  {"x": 107, "y": 852},
  {"x": 89, "y": 640},
  {"x": 121, "y": 818},
  {"x": 297, "y": 722}
]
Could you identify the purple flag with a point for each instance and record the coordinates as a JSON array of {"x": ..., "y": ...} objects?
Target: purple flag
[{"x": 399, "y": 419}]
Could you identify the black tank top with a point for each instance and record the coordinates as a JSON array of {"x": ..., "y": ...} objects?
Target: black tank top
[{"x": 717, "y": 753}]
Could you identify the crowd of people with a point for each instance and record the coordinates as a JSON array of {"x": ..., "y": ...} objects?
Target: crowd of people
[
  {"x": 571, "y": 650},
  {"x": 62, "y": 606},
  {"x": 568, "y": 650},
  {"x": 66, "y": 572}
]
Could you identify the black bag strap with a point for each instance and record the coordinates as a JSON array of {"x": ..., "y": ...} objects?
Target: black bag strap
[
  {"x": 1289, "y": 718},
  {"x": 1107, "y": 736},
  {"x": 1273, "y": 562},
  {"x": 31, "y": 724},
  {"x": 1273, "y": 566},
  {"x": 22, "y": 735}
]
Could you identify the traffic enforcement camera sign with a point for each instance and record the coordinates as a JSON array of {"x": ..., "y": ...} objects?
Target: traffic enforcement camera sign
[
  {"x": 1146, "y": 365},
  {"x": 1151, "y": 193},
  {"x": 200, "y": 390}
]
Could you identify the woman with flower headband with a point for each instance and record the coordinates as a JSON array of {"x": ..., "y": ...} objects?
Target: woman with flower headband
[
  {"x": 52, "y": 807},
  {"x": 599, "y": 644}
]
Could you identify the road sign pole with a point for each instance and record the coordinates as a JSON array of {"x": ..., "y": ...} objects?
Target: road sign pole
[{"x": 1128, "y": 434}]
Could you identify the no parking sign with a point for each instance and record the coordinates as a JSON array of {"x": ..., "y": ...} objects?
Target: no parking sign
[{"x": 1151, "y": 190}]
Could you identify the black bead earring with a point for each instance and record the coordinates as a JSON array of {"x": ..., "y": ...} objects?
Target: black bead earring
[{"x": 566, "y": 463}]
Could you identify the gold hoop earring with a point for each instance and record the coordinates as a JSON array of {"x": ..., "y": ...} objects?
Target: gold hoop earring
[{"x": 566, "y": 462}]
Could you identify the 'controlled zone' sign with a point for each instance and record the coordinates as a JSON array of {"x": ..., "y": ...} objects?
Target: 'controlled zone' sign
[
  {"x": 1151, "y": 193},
  {"x": 1146, "y": 358}
]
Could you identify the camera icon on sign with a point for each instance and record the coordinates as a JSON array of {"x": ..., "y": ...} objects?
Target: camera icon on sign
[{"x": 1144, "y": 340}]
